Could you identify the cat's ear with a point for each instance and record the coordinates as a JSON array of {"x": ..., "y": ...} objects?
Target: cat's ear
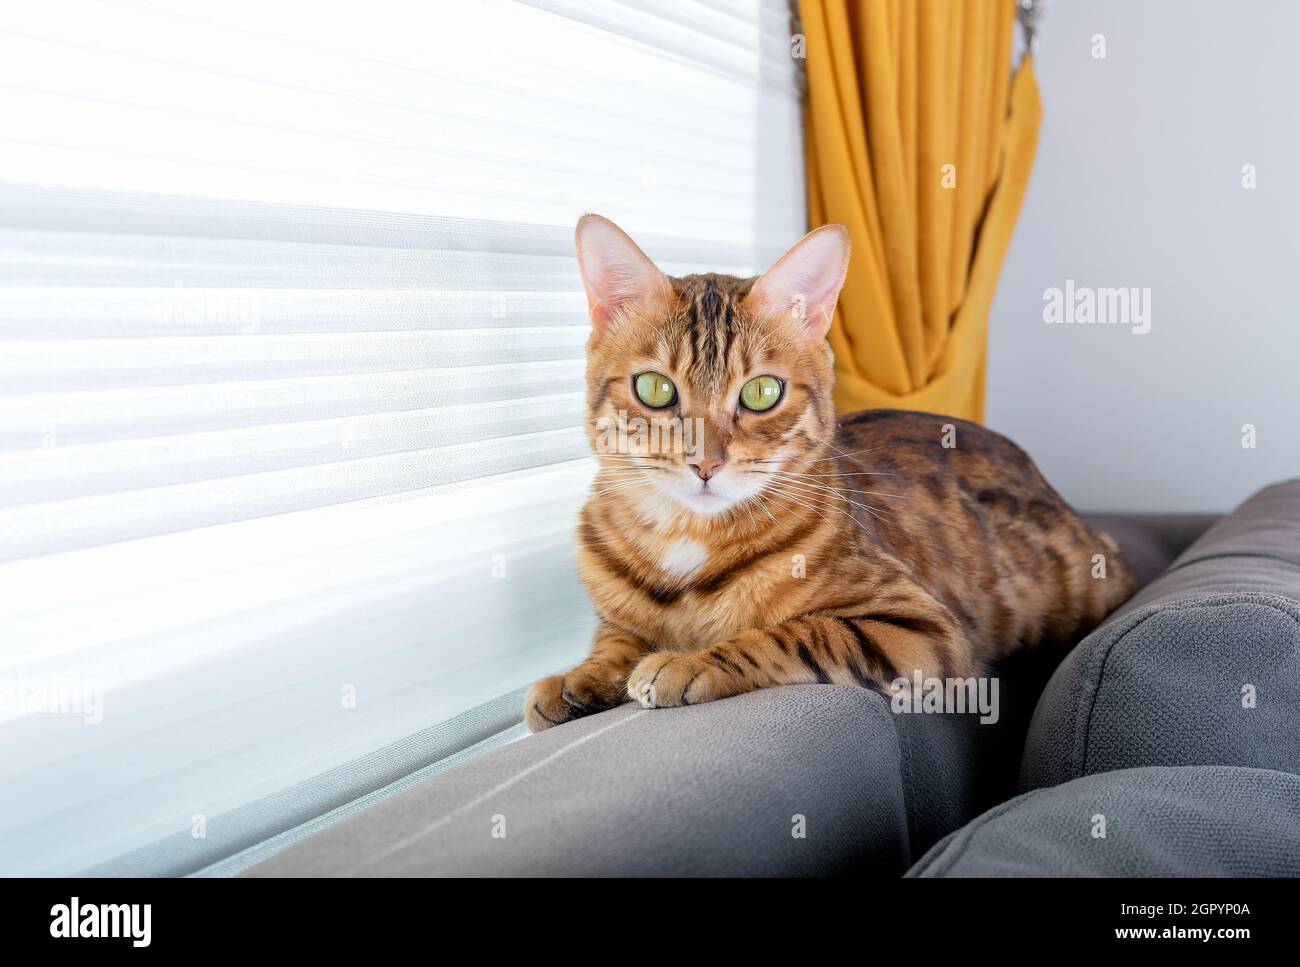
[
  {"x": 615, "y": 273},
  {"x": 805, "y": 282}
]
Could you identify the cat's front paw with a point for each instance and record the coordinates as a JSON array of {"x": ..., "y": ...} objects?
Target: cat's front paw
[
  {"x": 556, "y": 700},
  {"x": 666, "y": 679}
]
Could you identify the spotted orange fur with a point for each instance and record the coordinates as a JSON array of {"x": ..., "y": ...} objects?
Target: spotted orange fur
[{"x": 789, "y": 545}]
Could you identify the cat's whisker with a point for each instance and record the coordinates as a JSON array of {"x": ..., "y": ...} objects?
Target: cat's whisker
[
  {"x": 848, "y": 490},
  {"x": 784, "y": 495},
  {"x": 767, "y": 335},
  {"x": 776, "y": 326},
  {"x": 758, "y": 497},
  {"x": 782, "y": 498},
  {"x": 833, "y": 494},
  {"x": 619, "y": 489},
  {"x": 833, "y": 473},
  {"x": 617, "y": 477},
  {"x": 613, "y": 482},
  {"x": 634, "y": 465},
  {"x": 877, "y": 512},
  {"x": 794, "y": 495},
  {"x": 840, "y": 454},
  {"x": 829, "y": 505},
  {"x": 838, "y": 510},
  {"x": 824, "y": 488},
  {"x": 807, "y": 479}
]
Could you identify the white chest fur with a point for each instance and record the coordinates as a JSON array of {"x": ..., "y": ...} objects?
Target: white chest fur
[{"x": 684, "y": 556}]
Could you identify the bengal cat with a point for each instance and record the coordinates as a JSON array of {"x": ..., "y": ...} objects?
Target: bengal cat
[{"x": 785, "y": 545}]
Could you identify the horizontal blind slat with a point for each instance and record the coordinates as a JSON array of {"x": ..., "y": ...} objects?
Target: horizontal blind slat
[
  {"x": 84, "y": 521},
  {"x": 74, "y": 364},
  {"x": 64, "y": 472},
  {"x": 292, "y": 366},
  {"x": 29, "y": 421}
]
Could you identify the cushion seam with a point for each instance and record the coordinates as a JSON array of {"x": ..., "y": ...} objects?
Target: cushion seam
[
  {"x": 973, "y": 827},
  {"x": 1179, "y": 565},
  {"x": 1082, "y": 761},
  {"x": 904, "y": 768}
]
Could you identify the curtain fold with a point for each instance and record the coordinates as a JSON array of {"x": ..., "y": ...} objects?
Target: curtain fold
[{"x": 921, "y": 141}]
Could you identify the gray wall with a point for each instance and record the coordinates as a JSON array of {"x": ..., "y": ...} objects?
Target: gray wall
[{"x": 1139, "y": 184}]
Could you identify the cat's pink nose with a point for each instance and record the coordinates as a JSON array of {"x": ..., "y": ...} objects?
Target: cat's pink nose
[{"x": 706, "y": 467}]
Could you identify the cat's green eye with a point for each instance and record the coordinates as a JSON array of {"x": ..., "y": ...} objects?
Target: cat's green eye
[
  {"x": 760, "y": 393},
  {"x": 655, "y": 390}
]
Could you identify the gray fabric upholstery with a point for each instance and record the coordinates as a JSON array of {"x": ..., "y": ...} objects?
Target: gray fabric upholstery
[
  {"x": 1161, "y": 681},
  {"x": 1150, "y": 542},
  {"x": 711, "y": 789},
  {"x": 1159, "y": 821},
  {"x": 959, "y": 767},
  {"x": 1144, "y": 725}
]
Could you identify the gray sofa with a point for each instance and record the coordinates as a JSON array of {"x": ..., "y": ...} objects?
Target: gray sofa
[
  {"x": 1177, "y": 722},
  {"x": 1140, "y": 734}
]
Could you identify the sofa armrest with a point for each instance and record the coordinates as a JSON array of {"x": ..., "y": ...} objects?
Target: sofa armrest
[
  {"x": 711, "y": 789},
  {"x": 802, "y": 780}
]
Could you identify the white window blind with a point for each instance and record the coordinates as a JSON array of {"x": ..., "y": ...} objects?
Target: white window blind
[{"x": 291, "y": 353}]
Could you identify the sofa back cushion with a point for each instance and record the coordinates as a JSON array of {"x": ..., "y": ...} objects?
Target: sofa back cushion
[
  {"x": 1154, "y": 821},
  {"x": 1201, "y": 667}
]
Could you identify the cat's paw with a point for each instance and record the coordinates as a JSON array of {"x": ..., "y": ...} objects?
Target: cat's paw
[
  {"x": 666, "y": 679},
  {"x": 557, "y": 699}
]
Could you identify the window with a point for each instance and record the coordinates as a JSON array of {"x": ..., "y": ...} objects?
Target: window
[{"x": 291, "y": 353}]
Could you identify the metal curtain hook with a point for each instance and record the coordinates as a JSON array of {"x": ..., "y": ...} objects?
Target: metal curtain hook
[{"x": 1029, "y": 12}]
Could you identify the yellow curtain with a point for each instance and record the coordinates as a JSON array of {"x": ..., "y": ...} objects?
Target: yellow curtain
[{"x": 921, "y": 142}]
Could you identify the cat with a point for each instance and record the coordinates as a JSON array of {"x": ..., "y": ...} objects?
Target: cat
[{"x": 785, "y": 545}]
